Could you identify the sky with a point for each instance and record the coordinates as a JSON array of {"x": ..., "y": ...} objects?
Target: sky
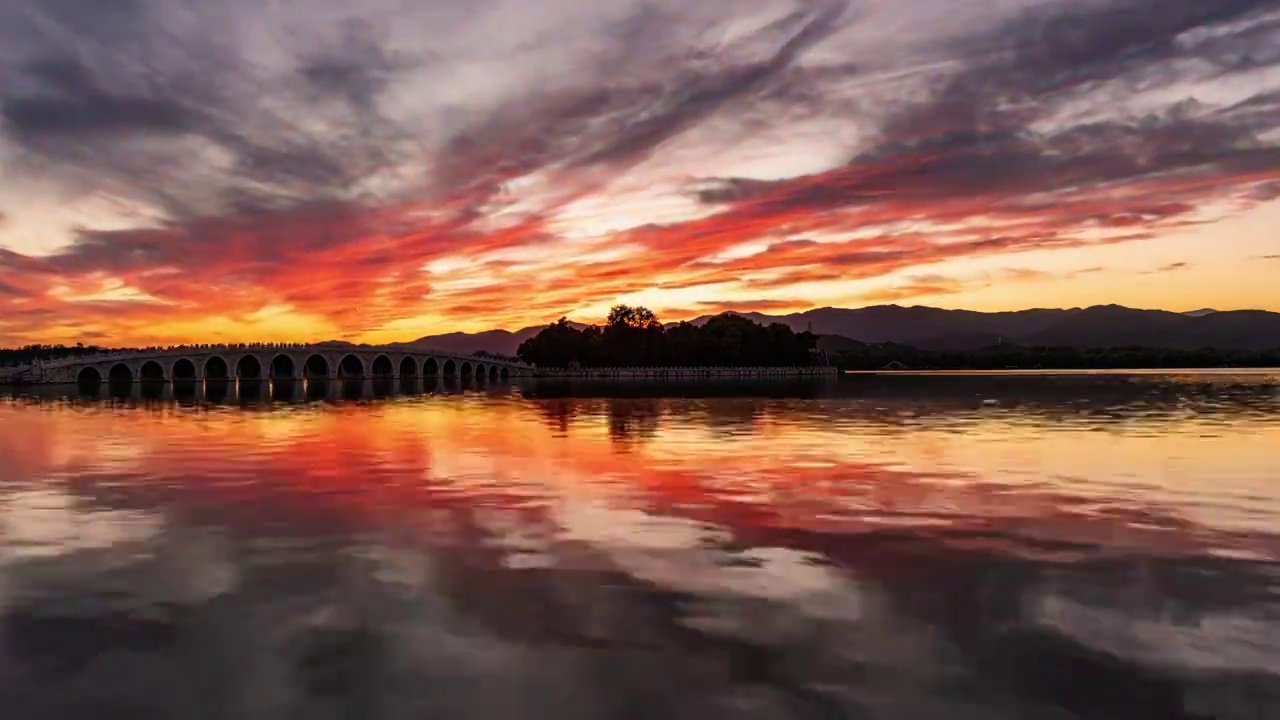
[{"x": 244, "y": 170}]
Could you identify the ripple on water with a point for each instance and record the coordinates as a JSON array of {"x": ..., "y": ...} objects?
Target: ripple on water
[{"x": 1005, "y": 546}]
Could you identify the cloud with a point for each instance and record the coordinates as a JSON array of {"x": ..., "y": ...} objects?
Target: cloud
[
  {"x": 152, "y": 104},
  {"x": 916, "y": 287},
  {"x": 1171, "y": 267},
  {"x": 254, "y": 155},
  {"x": 1028, "y": 115}
]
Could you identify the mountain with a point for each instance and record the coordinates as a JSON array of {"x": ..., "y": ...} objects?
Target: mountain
[
  {"x": 501, "y": 342},
  {"x": 930, "y": 328},
  {"x": 1201, "y": 312},
  {"x": 910, "y": 325},
  {"x": 1100, "y": 326},
  {"x": 838, "y": 343},
  {"x": 1114, "y": 326},
  {"x": 754, "y": 317}
]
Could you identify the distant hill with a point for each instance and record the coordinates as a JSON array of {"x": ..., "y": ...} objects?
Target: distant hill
[
  {"x": 930, "y": 328},
  {"x": 501, "y": 342},
  {"x": 1094, "y": 327},
  {"x": 838, "y": 343},
  {"x": 911, "y": 325}
]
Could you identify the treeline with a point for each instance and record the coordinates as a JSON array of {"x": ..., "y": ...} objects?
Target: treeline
[
  {"x": 27, "y": 354},
  {"x": 494, "y": 356},
  {"x": 1013, "y": 357},
  {"x": 633, "y": 337}
]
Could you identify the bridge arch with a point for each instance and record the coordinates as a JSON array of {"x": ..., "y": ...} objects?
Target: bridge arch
[
  {"x": 505, "y": 375},
  {"x": 493, "y": 373},
  {"x": 431, "y": 368},
  {"x": 466, "y": 370},
  {"x": 282, "y": 366},
  {"x": 184, "y": 369},
  {"x": 120, "y": 373},
  {"x": 216, "y": 368},
  {"x": 316, "y": 367},
  {"x": 89, "y": 376},
  {"x": 249, "y": 367},
  {"x": 408, "y": 367},
  {"x": 382, "y": 367},
  {"x": 350, "y": 367},
  {"x": 450, "y": 368},
  {"x": 151, "y": 370}
]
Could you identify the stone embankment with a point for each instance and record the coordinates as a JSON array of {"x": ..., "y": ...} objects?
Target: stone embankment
[{"x": 668, "y": 373}]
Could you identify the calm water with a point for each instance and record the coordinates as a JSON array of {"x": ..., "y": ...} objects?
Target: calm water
[{"x": 1083, "y": 546}]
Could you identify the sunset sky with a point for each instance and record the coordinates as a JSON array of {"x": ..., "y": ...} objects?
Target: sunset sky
[{"x": 203, "y": 170}]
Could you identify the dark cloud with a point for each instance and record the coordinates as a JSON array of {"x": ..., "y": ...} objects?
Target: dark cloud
[
  {"x": 621, "y": 119},
  {"x": 320, "y": 156},
  {"x": 989, "y": 129},
  {"x": 1171, "y": 267},
  {"x": 971, "y": 131},
  {"x": 265, "y": 240},
  {"x": 72, "y": 103},
  {"x": 167, "y": 107},
  {"x": 167, "y": 110},
  {"x": 356, "y": 67},
  {"x": 701, "y": 95},
  {"x": 91, "y": 114},
  {"x": 1066, "y": 45}
]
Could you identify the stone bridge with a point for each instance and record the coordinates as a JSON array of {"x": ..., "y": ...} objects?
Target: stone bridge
[{"x": 271, "y": 362}]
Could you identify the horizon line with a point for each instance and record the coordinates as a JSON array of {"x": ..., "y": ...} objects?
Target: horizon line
[{"x": 667, "y": 322}]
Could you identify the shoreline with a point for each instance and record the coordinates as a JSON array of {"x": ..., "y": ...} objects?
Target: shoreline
[
  {"x": 1067, "y": 371},
  {"x": 704, "y": 374},
  {"x": 685, "y": 373}
]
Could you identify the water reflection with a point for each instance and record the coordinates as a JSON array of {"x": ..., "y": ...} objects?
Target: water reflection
[
  {"x": 383, "y": 388},
  {"x": 284, "y": 391},
  {"x": 878, "y": 547},
  {"x": 217, "y": 391},
  {"x": 186, "y": 392}
]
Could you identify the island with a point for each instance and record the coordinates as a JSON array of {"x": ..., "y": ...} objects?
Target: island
[{"x": 633, "y": 343}]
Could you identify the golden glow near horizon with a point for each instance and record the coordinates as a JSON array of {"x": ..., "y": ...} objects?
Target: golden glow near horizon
[
  {"x": 348, "y": 187},
  {"x": 746, "y": 463}
]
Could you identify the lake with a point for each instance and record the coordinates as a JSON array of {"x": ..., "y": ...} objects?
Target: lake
[{"x": 901, "y": 546}]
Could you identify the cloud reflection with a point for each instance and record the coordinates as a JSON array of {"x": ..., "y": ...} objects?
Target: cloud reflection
[{"x": 510, "y": 555}]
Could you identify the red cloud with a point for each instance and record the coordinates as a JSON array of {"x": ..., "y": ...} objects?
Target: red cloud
[{"x": 966, "y": 171}]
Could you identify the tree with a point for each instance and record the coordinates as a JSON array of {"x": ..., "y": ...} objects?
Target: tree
[
  {"x": 634, "y": 336},
  {"x": 632, "y": 317}
]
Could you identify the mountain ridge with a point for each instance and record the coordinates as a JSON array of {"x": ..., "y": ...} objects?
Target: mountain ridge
[{"x": 930, "y": 328}]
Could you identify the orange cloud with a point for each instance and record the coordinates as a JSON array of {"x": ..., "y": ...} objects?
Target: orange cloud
[{"x": 267, "y": 220}]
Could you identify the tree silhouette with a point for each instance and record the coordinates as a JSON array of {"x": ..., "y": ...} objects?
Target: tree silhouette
[
  {"x": 633, "y": 336},
  {"x": 621, "y": 316}
]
